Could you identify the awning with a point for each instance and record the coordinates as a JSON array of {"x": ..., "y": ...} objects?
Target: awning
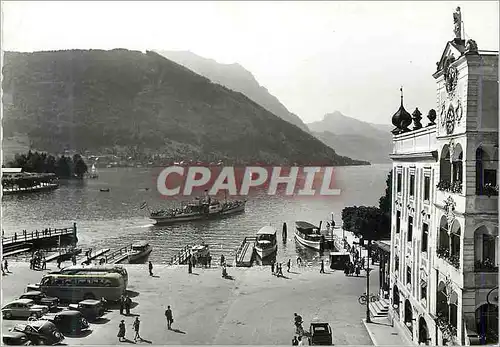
[{"x": 383, "y": 246}]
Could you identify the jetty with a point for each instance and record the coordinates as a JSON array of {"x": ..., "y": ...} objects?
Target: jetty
[
  {"x": 118, "y": 256},
  {"x": 245, "y": 253},
  {"x": 39, "y": 239},
  {"x": 182, "y": 256},
  {"x": 93, "y": 256}
]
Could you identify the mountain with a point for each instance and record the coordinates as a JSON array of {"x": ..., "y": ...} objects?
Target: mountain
[
  {"x": 355, "y": 138},
  {"x": 134, "y": 102},
  {"x": 237, "y": 78}
]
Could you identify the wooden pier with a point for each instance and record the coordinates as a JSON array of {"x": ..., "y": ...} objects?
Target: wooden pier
[
  {"x": 182, "y": 256},
  {"x": 40, "y": 238},
  {"x": 94, "y": 256},
  {"x": 245, "y": 253},
  {"x": 118, "y": 256}
]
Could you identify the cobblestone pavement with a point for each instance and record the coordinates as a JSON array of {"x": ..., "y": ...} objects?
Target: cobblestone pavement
[{"x": 252, "y": 308}]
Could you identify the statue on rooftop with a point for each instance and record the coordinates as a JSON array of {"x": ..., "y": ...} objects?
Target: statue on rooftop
[
  {"x": 457, "y": 20},
  {"x": 471, "y": 46}
]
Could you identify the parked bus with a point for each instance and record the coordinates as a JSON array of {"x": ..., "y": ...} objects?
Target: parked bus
[
  {"x": 338, "y": 260},
  {"x": 75, "y": 288},
  {"x": 82, "y": 269}
]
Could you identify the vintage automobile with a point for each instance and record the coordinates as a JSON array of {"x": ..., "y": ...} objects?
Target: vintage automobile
[
  {"x": 33, "y": 287},
  {"x": 14, "y": 338},
  {"x": 40, "y": 332},
  {"x": 320, "y": 334},
  {"x": 23, "y": 308},
  {"x": 91, "y": 309},
  {"x": 68, "y": 322},
  {"x": 41, "y": 299}
]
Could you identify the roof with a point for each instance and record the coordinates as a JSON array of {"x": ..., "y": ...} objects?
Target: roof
[
  {"x": 22, "y": 301},
  {"x": 305, "y": 225},
  {"x": 267, "y": 230},
  {"x": 11, "y": 170}
]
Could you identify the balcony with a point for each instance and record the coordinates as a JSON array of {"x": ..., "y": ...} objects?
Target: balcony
[
  {"x": 447, "y": 186},
  {"x": 453, "y": 259}
]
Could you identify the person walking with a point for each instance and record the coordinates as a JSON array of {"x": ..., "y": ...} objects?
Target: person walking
[
  {"x": 59, "y": 261},
  {"x": 6, "y": 265},
  {"x": 121, "y": 331},
  {"x": 44, "y": 263},
  {"x": 150, "y": 268},
  {"x": 288, "y": 265},
  {"x": 209, "y": 261},
  {"x": 136, "y": 325},
  {"x": 122, "y": 304},
  {"x": 170, "y": 318},
  {"x": 272, "y": 267},
  {"x": 190, "y": 266},
  {"x": 128, "y": 304},
  {"x": 299, "y": 261},
  {"x": 222, "y": 260},
  {"x": 322, "y": 270}
]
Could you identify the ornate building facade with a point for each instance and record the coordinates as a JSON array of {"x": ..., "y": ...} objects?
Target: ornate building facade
[{"x": 444, "y": 232}]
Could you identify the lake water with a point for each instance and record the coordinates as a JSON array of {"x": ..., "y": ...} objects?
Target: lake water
[{"x": 113, "y": 219}]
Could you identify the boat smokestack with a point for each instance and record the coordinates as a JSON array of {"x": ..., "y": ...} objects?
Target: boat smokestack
[{"x": 320, "y": 222}]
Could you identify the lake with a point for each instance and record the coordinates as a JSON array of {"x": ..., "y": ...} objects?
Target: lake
[{"x": 114, "y": 219}]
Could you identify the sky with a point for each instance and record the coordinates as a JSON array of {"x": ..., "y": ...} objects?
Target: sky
[{"x": 315, "y": 57}]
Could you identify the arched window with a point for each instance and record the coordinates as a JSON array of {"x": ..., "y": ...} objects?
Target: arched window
[
  {"x": 485, "y": 254},
  {"x": 444, "y": 240},
  {"x": 486, "y": 174},
  {"x": 457, "y": 169},
  {"x": 444, "y": 169},
  {"x": 449, "y": 242},
  {"x": 455, "y": 239}
]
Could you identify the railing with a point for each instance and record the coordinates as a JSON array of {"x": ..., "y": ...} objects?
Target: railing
[
  {"x": 118, "y": 252},
  {"x": 34, "y": 235},
  {"x": 239, "y": 251},
  {"x": 181, "y": 256}
]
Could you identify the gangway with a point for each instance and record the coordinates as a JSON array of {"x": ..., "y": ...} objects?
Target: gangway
[{"x": 245, "y": 253}]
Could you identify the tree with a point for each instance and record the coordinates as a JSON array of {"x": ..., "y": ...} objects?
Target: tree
[
  {"x": 366, "y": 222},
  {"x": 385, "y": 202},
  {"x": 80, "y": 168}
]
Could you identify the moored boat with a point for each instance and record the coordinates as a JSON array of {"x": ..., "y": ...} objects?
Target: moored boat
[
  {"x": 266, "y": 244},
  {"x": 139, "y": 252},
  {"x": 201, "y": 254},
  {"x": 308, "y": 235}
]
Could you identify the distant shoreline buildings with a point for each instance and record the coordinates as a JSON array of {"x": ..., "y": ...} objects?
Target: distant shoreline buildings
[{"x": 444, "y": 231}]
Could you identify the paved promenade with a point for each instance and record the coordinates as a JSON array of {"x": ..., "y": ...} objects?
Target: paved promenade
[{"x": 252, "y": 308}]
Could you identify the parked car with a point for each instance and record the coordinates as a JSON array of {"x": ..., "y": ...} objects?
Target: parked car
[
  {"x": 91, "y": 309},
  {"x": 33, "y": 287},
  {"x": 14, "y": 338},
  {"x": 40, "y": 331},
  {"x": 68, "y": 322},
  {"x": 320, "y": 334},
  {"x": 23, "y": 308},
  {"x": 41, "y": 299}
]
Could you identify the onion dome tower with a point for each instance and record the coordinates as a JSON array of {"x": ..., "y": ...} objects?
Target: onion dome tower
[{"x": 401, "y": 119}]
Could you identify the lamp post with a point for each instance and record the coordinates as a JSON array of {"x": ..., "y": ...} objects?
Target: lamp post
[{"x": 368, "y": 320}]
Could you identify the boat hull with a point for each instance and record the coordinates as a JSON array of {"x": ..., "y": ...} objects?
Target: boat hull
[
  {"x": 195, "y": 217},
  {"x": 311, "y": 244},
  {"x": 139, "y": 256},
  {"x": 265, "y": 252}
]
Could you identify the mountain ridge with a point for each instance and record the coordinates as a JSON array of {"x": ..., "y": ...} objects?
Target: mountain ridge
[{"x": 121, "y": 100}]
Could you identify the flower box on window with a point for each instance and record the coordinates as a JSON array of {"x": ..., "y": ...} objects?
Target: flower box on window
[
  {"x": 485, "y": 266},
  {"x": 490, "y": 190}
]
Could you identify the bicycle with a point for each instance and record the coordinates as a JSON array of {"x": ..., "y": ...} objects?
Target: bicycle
[{"x": 362, "y": 299}]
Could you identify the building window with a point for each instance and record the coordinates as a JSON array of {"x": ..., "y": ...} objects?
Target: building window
[
  {"x": 410, "y": 228},
  {"x": 486, "y": 174},
  {"x": 427, "y": 188},
  {"x": 412, "y": 185},
  {"x": 399, "y": 183},
  {"x": 398, "y": 221},
  {"x": 425, "y": 236},
  {"x": 396, "y": 264},
  {"x": 408, "y": 275},
  {"x": 423, "y": 291}
]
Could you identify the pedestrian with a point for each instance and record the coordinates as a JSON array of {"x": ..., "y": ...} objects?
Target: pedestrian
[
  {"x": 301, "y": 343},
  {"x": 121, "y": 331},
  {"x": 6, "y": 265},
  {"x": 209, "y": 261},
  {"x": 170, "y": 318},
  {"x": 136, "y": 325},
  {"x": 222, "y": 260},
  {"x": 190, "y": 266},
  {"x": 295, "y": 342},
  {"x": 357, "y": 270},
  {"x": 280, "y": 271},
  {"x": 322, "y": 270},
  {"x": 128, "y": 304},
  {"x": 44, "y": 263},
  {"x": 59, "y": 261},
  {"x": 288, "y": 264},
  {"x": 73, "y": 259},
  {"x": 272, "y": 267},
  {"x": 15, "y": 236},
  {"x": 122, "y": 304},
  {"x": 150, "y": 268},
  {"x": 299, "y": 261}
]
